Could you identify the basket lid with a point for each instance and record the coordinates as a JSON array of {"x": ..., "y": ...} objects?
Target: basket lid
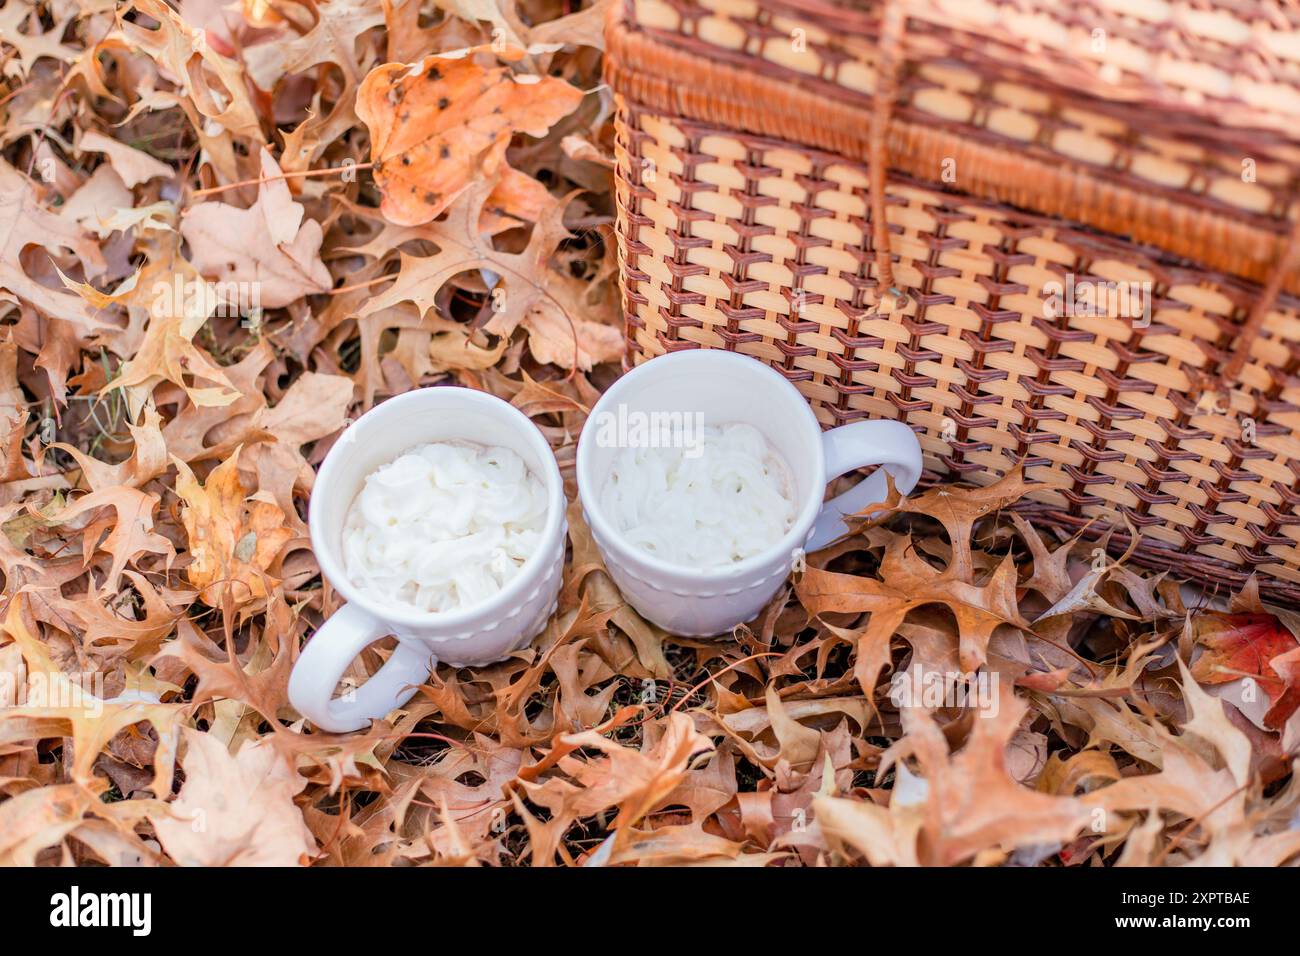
[
  {"x": 1215, "y": 63},
  {"x": 1176, "y": 124}
]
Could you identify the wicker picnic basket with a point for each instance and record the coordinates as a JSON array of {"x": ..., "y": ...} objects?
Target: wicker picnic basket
[{"x": 883, "y": 199}]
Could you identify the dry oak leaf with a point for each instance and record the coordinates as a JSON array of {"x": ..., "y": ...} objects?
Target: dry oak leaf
[
  {"x": 587, "y": 579},
  {"x": 438, "y": 125},
  {"x": 44, "y": 817},
  {"x": 212, "y": 84},
  {"x": 958, "y": 509},
  {"x": 104, "y": 625},
  {"x": 23, "y": 223},
  {"x": 97, "y": 200},
  {"x": 549, "y": 304},
  {"x": 21, "y": 28},
  {"x": 332, "y": 39},
  {"x": 235, "y": 811},
  {"x": 885, "y": 836},
  {"x": 13, "y": 415},
  {"x": 132, "y": 165},
  {"x": 635, "y": 781},
  {"x": 260, "y": 682},
  {"x": 69, "y": 708},
  {"x": 198, "y": 433},
  {"x": 679, "y": 846},
  {"x": 232, "y": 540},
  {"x": 908, "y": 582},
  {"x": 583, "y": 28},
  {"x": 506, "y": 20},
  {"x": 1205, "y": 776},
  {"x": 236, "y": 28},
  {"x": 334, "y": 43},
  {"x": 60, "y": 354},
  {"x": 796, "y": 746},
  {"x": 178, "y": 302},
  {"x": 268, "y": 245},
  {"x": 315, "y": 406},
  {"x": 964, "y": 803},
  {"x": 129, "y": 530},
  {"x": 1085, "y": 597},
  {"x": 148, "y": 457}
]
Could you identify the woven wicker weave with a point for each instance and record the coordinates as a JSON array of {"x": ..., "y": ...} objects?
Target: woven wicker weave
[{"x": 755, "y": 215}]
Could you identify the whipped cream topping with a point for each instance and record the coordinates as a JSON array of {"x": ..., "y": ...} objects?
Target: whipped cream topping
[
  {"x": 724, "y": 498},
  {"x": 444, "y": 526}
]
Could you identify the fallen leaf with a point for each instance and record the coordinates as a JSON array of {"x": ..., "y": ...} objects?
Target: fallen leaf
[
  {"x": 1255, "y": 646},
  {"x": 234, "y": 810},
  {"x": 438, "y": 124},
  {"x": 132, "y": 165},
  {"x": 233, "y": 541},
  {"x": 269, "y": 246}
]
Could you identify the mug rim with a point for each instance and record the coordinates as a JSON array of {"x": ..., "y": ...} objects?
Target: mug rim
[
  {"x": 537, "y": 563},
  {"x": 778, "y": 550}
]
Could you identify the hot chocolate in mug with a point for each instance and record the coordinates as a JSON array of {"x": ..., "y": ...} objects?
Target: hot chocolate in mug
[
  {"x": 476, "y": 634},
  {"x": 723, "y": 388}
]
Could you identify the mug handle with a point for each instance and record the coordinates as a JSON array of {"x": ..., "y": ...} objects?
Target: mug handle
[
  {"x": 327, "y": 655},
  {"x": 890, "y": 444}
]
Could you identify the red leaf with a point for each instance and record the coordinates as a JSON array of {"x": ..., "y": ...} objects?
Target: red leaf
[{"x": 1246, "y": 645}]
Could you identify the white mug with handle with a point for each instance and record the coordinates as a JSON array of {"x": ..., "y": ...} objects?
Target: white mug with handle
[
  {"x": 478, "y": 634},
  {"x": 727, "y": 388}
]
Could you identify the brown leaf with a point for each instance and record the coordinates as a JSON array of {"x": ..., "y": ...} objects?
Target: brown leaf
[
  {"x": 548, "y": 303},
  {"x": 635, "y": 782},
  {"x": 1204, "y": 777},
  {"x": 221, "y": 93},
  {"x": 23, "y": 223},
  {"x": 907, "y": 582},
  {"x": 234, "y": 810},
  {"x": 968, "y": 802},
  {"x": 132, "y": 165},
  {"x": 958, "y": 509},
  {"x": 269, "y": 246},
  {"x": 68, "y": 705},
  {"x": 314, "y": 407}
]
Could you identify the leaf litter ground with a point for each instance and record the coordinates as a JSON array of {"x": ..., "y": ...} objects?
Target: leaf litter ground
[{"x": 232, "y": 228}]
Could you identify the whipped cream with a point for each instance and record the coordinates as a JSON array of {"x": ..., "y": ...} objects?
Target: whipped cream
[
  {"x": 444, "y": 526},
  {"x": 723, "y": 499}
]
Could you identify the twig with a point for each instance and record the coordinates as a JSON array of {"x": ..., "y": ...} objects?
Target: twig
[
  {"x": 304, "y": 174},
  {"x": 691, "y": 691}
]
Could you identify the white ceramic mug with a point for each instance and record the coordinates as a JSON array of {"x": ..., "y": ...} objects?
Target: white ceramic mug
[
  {"x": 479, "y": 634},
  {"x": 726, "y": 387}
]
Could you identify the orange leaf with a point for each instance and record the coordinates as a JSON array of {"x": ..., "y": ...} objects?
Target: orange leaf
[
  {"x": 437, "y": 125},
  {"x": 232, "y": 541}
]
